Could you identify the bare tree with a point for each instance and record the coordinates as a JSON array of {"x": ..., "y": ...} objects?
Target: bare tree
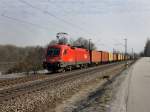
[
  {"x": 53, "y": 42},
  {"x": 30, "y": 61},
  {"x": 84, "y": 43},
  {"x": 147, "y": 48}
]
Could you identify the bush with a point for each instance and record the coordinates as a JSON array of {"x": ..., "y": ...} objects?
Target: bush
[{"x": 32, "y": 61}]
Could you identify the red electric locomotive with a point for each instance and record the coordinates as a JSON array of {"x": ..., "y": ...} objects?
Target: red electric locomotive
[{"x": 62, "y": 57}]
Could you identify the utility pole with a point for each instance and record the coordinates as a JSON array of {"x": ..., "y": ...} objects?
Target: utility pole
[
  {"x": 132, "y": 54},
  {"x": 126, "y": 46},
  {"x": 89, "y": 44},
  {"x": 90, "y": 50}
]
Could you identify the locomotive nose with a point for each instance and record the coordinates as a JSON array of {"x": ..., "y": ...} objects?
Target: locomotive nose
[{"x": 54, "y": 60}]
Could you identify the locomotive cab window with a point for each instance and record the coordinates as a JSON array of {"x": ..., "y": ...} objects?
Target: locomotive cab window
[{"x": 53, "y": 52}]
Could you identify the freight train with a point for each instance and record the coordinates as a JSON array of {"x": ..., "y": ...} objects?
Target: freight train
[{"x": 65, "y": 57}]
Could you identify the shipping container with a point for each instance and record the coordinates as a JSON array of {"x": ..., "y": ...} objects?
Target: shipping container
[
  {"x": 110, "y": 57},
  {"x": 104, "y": 56},
  {"x": 126, "y": 57},
  {"x": 123, "y": 57},
  {"x": 115, "y": 57},
  {"x": 96, "y": 57},
  {"x": 119, "y": 57}
]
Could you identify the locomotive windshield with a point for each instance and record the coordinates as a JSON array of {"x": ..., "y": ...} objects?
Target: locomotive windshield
[{"x": 53, "y": 52}]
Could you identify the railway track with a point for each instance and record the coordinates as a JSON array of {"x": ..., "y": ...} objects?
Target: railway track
[
  {"x": 20, "y": 80},
  {"x": 18, "y": 90}
]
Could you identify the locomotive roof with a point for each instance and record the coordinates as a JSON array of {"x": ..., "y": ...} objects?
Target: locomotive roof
[
  {"x": 58, "y": 45},
  {"x": 66, "y": 46}
]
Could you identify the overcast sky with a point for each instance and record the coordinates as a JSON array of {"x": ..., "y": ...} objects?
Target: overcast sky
[{"x": 106, "y": 22}]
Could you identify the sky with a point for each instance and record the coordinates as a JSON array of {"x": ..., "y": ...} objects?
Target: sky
[{"x": 106, "y": 22}]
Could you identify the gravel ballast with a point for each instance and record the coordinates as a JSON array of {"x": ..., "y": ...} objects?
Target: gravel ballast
[{"x": 55, "y": 99}]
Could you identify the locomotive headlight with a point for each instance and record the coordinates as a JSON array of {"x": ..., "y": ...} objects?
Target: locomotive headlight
[
  {"x": 51, "y": 60},
  {"x": 54, "y": 60},
  {"x": 59, "y": 60}
]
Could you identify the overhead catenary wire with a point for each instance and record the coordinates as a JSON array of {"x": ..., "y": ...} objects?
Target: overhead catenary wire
[
  {"x": 54, "y": 16},
  {"x": 33, "y": 24},
  {"x": 62, "y": 9},
  {"x": 38, "y": 26},
  {"x": 23, "y": 21}
]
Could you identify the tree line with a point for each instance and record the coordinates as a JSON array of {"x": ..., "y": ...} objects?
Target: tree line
[
  {"x": 147, "y": 48},
  {"x": 21, "y": 59}
]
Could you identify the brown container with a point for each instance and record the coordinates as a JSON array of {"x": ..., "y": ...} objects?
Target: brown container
[
  {"x": 96, "y": 57},
  {"x": 105, "y": 56},
  {"x": 126, "y": 58},
  {"x": 115, "y": 57},
  {"x": 123, "y": 57}
]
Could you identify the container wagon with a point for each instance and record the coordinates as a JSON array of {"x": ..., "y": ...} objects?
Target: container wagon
[
  {"x": 115, "y": 57},
  {"x": 104, "y": 57},
  {"x": 118, "y": 57},
  {"x": 110, "y": 57},
  {"x": 96, "y": 57},
  {"x": 123, "y": 57}
]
